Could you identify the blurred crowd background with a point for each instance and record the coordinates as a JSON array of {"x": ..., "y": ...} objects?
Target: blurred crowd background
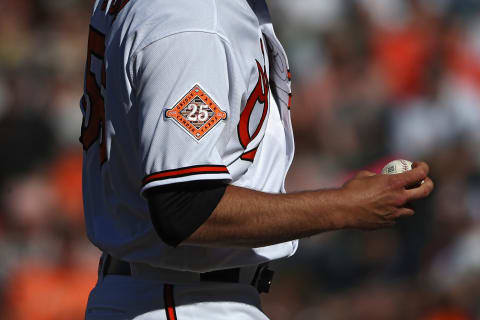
[{"x": 374, "y": 80}]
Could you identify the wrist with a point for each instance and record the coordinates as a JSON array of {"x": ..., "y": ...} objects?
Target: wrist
[
  {"x": 342, "y": 212},
  {"x": 332, "y": 210}
]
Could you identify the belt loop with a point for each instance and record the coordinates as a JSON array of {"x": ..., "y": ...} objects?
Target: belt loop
[
  {"x": 263, "y": 278},
  {"x": 103, "y": 265}
]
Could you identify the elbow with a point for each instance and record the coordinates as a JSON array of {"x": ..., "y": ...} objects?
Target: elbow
[
  {"x": 170, "y": 232},
  {"x": 178, "y": 211}
]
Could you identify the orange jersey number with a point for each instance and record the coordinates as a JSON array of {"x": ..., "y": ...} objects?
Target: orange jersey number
[{"x": 94, "y": 127}]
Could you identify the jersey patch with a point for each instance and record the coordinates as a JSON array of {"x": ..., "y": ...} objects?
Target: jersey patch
[{"x": 197, "y": 113}]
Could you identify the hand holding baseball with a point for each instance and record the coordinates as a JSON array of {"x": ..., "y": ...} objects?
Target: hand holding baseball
[
  {"x": 375, "y": 201},
  {"x": 400, "y": 166}
]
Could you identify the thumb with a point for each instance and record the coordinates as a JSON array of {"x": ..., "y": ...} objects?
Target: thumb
[{"x": 364, "y": 174}]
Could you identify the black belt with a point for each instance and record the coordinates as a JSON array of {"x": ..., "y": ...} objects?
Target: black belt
[{"x": 262, "y": 279}]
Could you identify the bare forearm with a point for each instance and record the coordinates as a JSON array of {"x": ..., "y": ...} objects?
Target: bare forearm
[{"x": 248, "y": 218}]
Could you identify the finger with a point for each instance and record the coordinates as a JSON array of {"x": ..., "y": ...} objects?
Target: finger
[
  {"x": 417, "y": 163},
  {"x": 421, "y": 164},
  {"x": 414, "y": 176},
  {"x": 420, "y": 192},
  {"x": 364, "y": 174},
  {"x": 405, "y": 212}
]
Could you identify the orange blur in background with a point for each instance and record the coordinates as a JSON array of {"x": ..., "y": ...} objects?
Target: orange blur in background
[{"x": 373, "y": 80}]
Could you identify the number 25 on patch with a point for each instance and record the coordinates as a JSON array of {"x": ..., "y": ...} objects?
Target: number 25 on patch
[
  {"x": 196, "y": 113},
  {"x": 201, "y": 115}
]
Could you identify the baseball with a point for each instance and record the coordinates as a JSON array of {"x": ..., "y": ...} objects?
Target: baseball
[{"x": 397, "y": 166}]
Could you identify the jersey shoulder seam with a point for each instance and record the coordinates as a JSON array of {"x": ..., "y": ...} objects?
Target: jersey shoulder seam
[
  {"x": 214, "y": 30},
  {"x": 133, "y": 56},
  {"x": 154, "y": 40}
]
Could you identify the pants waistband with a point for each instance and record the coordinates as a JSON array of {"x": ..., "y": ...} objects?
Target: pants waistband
[{"x": 258, "y": 276}]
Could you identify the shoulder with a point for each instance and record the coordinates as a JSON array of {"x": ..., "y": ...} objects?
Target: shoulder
[
  {"x": 165, "y": 17},
  {"x": 152, "y": 20}
]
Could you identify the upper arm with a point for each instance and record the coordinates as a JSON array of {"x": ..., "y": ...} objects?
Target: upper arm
[{"x": 182, "y": 91}]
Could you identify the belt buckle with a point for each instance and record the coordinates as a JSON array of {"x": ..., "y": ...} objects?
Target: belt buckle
[{"x": 263, "y": 278}]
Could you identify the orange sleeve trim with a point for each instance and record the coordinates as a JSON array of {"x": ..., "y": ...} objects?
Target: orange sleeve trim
[
  {"x": 183, "y": 172},
  {"x": 169, "y": 302}
]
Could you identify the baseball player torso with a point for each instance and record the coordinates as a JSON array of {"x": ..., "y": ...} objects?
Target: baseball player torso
[{"x": 180, "y": 91}]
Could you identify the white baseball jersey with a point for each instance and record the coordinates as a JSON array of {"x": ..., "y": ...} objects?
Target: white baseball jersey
[{"x": 180, "y": 91}]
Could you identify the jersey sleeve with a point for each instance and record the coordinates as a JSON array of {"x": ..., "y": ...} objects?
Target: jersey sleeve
[{"x": 181, "y": 86}]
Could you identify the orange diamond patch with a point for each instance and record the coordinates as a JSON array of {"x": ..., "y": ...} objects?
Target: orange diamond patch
[{"x": 197, "y": 113}]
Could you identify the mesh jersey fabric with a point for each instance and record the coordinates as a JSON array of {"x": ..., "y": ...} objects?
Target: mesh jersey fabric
[{"x": 156, "y": 51}]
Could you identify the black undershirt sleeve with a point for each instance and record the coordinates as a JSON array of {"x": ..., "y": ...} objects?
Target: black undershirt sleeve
[{"x": 178, "y": 210}]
